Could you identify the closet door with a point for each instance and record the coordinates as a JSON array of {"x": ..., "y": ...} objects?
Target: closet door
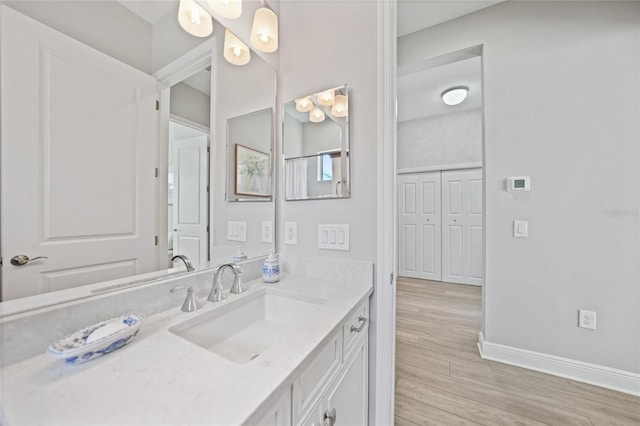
[
  {"x": 419, "y": 221},
  {"x": 462, "y": 245}
]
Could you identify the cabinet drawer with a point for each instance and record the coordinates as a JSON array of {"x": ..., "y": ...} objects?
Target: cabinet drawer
[
  {"x": 312, "y": 381},
  {"x": 356, "y": 325}
]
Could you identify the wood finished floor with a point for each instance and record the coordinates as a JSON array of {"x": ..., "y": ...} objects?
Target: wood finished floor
[{"x": 441, "y": 379}]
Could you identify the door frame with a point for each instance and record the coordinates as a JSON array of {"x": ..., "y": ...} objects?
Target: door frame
[{"x": 195, "y": 60}]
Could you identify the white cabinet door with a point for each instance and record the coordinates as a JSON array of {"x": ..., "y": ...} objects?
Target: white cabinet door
[
  {"x": 279, "y": 414},
  {"x": 78, "y": 150},
  {"x": 349, "y": 396},
  {"x": 462, "y": 244},
  {"x": 419, "y": 219},
  {"x": 190, "y": 218}
]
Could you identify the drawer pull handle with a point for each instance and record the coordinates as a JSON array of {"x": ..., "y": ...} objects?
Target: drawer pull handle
[{"x": 363, "y": 321}]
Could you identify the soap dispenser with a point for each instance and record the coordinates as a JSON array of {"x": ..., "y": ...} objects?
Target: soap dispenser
[{"x": 271, "y": 268}]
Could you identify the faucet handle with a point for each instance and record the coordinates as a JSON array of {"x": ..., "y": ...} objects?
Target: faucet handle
[
  {"x": 191, "y": 302},
  {"x": 236, "y": 287}
]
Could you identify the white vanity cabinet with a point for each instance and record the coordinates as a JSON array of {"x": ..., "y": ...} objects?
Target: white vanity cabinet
[
  {"x": 279, "y": 414},
  {"x": 341, "y": 396}
]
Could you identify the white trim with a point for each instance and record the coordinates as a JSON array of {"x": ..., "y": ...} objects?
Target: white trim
[
  {"x": 438, "y": 168},
  {"x": 187, "y": 65},
  {"x": 189, "y": 123},
  {"x": 598, "y": 375},
  {"x": 382, "y": 356}
]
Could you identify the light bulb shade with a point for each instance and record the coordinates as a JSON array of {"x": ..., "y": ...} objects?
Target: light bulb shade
[
  {"x": 230, "y": 9},
  {"x": 341, "y": 106},
  {"x": 235, "y": 51},
  {"x": 326, "y": 98},
  {"x": 455, "y": 95},
  {"x": 194, "y": 19},
  {"x": 304, "y": 104},
  {"x": 264, "y": 32},
  {"x": 316, "y": 115}
]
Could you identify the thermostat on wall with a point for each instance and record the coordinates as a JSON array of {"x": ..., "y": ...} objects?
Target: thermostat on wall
[{"x": 519, "y": 183}]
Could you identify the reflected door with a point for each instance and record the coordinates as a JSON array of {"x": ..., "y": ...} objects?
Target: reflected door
[
  {"x": 190, "y": 221},
  {"x": 419, "y": 217},
  {"x": 79, "y": 134}
]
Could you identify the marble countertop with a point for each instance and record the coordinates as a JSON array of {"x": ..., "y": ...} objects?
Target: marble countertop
[{"x": 162, "y": 379}]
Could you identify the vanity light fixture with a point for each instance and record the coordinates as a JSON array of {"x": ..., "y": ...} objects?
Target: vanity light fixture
[
  {"x": 235, "y": 51},
  {"x": 230, "y": 9},
  {"x": 264, "y": 32},
  {"x": 194, "y": 19},
  {"x": 316, "y": 115},
  {"x": 304, "y": 104},
  {"x": 326, "y": 98},
  {"x": 341, "y": 106},
  {"x": 455, "y": 95}
]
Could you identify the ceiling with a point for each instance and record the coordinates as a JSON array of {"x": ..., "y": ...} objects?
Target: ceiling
[{"x": 150, "y": 10}]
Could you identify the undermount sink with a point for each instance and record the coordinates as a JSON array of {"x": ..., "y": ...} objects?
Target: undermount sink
[{"x": 246, "y": 327}]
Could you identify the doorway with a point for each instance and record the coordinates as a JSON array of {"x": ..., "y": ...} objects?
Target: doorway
[{"x": 439, "y": 163}]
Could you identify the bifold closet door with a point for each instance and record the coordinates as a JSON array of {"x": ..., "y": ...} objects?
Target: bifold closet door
[
  {"x": 419, "y": 219},
  {"x": 462, "y": 247}
]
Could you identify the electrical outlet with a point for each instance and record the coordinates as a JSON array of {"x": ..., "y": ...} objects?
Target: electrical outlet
[
  {"x": 267, "y": 231},
  {"x": 586, "y": 319},
  {"x": 291, "y": 233}
]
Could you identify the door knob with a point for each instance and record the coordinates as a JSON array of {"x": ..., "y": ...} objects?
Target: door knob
[{"x": 22, "y": 259}]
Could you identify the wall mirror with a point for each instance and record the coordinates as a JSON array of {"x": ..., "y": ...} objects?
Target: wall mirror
[
  {"x": 97, "y": 211},
  {"x": 316, "y": 146}
]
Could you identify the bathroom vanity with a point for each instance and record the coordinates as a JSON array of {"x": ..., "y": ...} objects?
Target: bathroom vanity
[{"x": 195, "y": 368}]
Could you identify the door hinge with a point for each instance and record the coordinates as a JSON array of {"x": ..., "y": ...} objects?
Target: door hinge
[
  {"x": 207, "y": 188},
  {"x": 157, "y": 105},
  {"x": 156, "y": 240},
  {"x": 391, "y": 278},
  {"x": 156, "y": 172}
]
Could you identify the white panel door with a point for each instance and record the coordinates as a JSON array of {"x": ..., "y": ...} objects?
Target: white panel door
[
  {"x": 462, "y": 244},
  {"x": 79, "y": 135},
  {"x": 419, "y": 219},
  {"x": 190, "y": 198}
]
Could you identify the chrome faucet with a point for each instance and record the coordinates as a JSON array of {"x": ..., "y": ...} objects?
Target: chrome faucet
[
  {"x": 217, "y": 292},
  {"x": 191, "y": 302},
  {"x": 186, "y": 261}
]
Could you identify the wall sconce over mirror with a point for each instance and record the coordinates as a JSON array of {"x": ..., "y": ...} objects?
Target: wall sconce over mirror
[{"x": 316, "y": 146}]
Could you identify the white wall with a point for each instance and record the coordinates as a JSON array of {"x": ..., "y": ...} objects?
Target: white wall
[
  {"x": 104, "y": 25},
  {"x": 442, "y": 140},
  {"x": 189, "y": 103},
  {"x": 314, "y": 56},
  {"x": 561, "y": 86}
]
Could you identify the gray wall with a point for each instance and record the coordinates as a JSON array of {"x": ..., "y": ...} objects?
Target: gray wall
[
  {"x": 561, "y": 85},
  {"x": 441, "y": 140},
  {"x": 189, "y": 103},
  {"x": 104, "y": 25}
]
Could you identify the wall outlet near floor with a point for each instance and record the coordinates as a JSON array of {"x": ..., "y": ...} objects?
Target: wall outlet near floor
[
  {"x": 291, "y": 233},
  {"x": 586, "y": 319}
]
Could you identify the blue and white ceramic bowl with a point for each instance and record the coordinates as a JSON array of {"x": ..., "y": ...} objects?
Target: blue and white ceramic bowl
[{"x": 97, "y": 340}]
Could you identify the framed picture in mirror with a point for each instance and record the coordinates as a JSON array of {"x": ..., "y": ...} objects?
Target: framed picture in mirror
[{"x": 252, "y": 172}]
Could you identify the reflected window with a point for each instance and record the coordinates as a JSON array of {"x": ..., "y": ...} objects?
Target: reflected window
[{"x": 325, "y": 164}]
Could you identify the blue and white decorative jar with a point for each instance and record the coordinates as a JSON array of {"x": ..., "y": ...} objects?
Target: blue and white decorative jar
[{"x": 271, "y": 269}]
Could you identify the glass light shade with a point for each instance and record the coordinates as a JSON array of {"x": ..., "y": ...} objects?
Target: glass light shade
[
  {"x": 194, "y": 19},
  {"x": 304, "y": 104},
  {"x": 316, "y": 115},
  {"x": 341, "y": 106},
  {"x": 326, "y": 98},
  {"x": 235, "y": 51},
  {"x": 230, "y": 9},
  {"x": 264, "y": 32},
  {"x": 455, "y": 95}
]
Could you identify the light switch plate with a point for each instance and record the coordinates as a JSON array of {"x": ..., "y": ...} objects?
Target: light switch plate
[
  {"x": 236, "y": 231},
  {"x": 520, "y": 228},
  {"x": 267, "y": 231},
  {"x": 333, "y": 237}
]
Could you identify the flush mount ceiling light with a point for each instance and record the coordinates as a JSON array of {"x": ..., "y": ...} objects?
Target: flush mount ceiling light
[
  {"x": 264, "y": 32},
  {"x": 230, "y": 9},
  {"x": 341, "y": 106},
  {"x": 316, "y": 115},
  {"x": 194, "y": 19},
  {"x": 304, "y": 104},
  {"x": 455, "y": 95},
  {"x": 327, "y": 98},
  {"x": 235, "y": 51}
]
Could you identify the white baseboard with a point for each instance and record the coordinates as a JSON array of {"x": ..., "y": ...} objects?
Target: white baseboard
[{"x": 598, "y": 375}]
